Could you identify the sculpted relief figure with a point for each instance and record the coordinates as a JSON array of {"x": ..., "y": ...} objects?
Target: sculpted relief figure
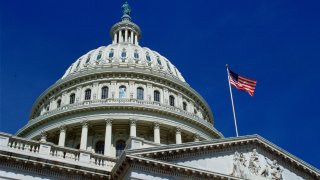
[
  {"x": 275, "y": 170},
  {"x": 239, "y": 165},
  {"x": 254, "y": 164}
]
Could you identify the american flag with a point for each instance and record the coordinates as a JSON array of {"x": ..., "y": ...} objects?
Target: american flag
[{"x": 242, "y": 83}]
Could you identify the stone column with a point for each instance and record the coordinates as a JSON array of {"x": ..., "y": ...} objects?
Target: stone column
[
  {"x": 84, "y": 135},
  {"x": 43, "y": 136},
  {"x": 95, "y": 91},
  {"x": 196, "y": 138},
  {"x": 120, "y": 36},
  {"x": 131, "y": 37},
  {"x": 62, "y": 136},
  {"x": 115, "y": 37},
  {"x": 156, "y": 132},
  {"x": 133, "y": 127},
  {"x": 78, "y": 96},
  {"x": 135, "y": 39},
  {"x": 64, "y": 98},
  {"x": 126, "y": 35},
  {"x": 178, "y": 135},
  {"x": 108, "y": 138}
]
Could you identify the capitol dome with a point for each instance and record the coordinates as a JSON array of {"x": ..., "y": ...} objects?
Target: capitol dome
[{"x": 119, "y": 91}]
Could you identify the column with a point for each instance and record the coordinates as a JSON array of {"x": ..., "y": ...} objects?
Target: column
[
  {"x": 78, "y": 96},
  {"x": 108, "y": 138},
  {"x": 64, "y": 99},
  {"x": 178, "y": 135},
  {"x": 62, "y": 136},
  {"x": 135, "y": 39},
  {"x": 126, "y": 35},
  {"x": 133, "y": 127},
  {"x": 115, "y": 38},
  {"x": 156, "y": 132},
  {"x": 43, "y": 136},
  {"x": 95, "y": 91},
  {"x": 131, "y": 37},
  {"x": 196, "y": 138},
  {"x": 120, "y": 36},
  {"x": 84, "y": 135}
]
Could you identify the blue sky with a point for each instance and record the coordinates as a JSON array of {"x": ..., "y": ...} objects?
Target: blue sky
[{"x": 275, "y": 42}]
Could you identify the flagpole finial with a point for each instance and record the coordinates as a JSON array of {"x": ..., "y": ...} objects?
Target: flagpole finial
[{"x": 227, "y": 65}]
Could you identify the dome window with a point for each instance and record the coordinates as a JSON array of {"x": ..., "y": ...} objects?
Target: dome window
[
  {"x": 104, "y": 92},
  {"x": 168, "y": 66},
  {"x": 111, "y": 54},
  {"x": 185, "y": 106},
  {"x": 120, "y": 145},
  {"x": 122, "y": 92},
  {"x": 99, "y": 147},
  {"x": 87, "y": 94},
  {"x": 88, "y": 59},
  {"x": 59, "y": 103},
  {"x": 171, "y": 100},
  {"x": 123, "y": 53},
  {"x": 140, "y": 93},
  {"x": 159, "y": 61},
  {"x": 136, "y": 54},
  {"x": 156, "y": 96},
  {"x": 148, "y": 57},
  {"x": 99, "y": 56},
  {"x": 72, "y": 98},
  {"x": 78, "y": 63}
]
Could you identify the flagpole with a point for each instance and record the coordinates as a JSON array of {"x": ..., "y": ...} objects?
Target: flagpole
[{"x": 234, "y": 112}]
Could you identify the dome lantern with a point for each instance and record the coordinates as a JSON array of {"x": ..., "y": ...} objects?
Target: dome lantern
[{"x": 125, "y": 31}]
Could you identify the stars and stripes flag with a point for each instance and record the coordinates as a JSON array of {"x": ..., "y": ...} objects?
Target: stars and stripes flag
[{"x": 242, "y": 83}]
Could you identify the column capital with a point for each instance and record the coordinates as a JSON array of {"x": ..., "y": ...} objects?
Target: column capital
[
  {"x": 108, "y": 121},
  {"x": 196, "y": 137},
  {"x": 156, "y": 125},
  {"x": 84, "y": 123},
  {"x": 133, "y": 121},
  {"x": 63, "y": 128},
  {"x": 43, "y": 135},
  {"x": 178, "y": 129}
]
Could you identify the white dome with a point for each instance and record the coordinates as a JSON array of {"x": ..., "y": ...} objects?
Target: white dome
[{"x": 124, "y": 55}]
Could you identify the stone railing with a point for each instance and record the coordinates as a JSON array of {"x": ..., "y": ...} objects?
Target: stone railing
[
  {"x": 113, "y": 102},
  {"x": 49, "y": 151}
]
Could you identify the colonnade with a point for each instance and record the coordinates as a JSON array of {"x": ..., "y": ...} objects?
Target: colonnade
[
  {"x": 129, "y": 36},
  {"x": 108, "y": 135}
]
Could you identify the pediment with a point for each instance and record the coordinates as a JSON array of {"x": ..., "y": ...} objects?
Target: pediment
[{"x": 248, "y": 157}]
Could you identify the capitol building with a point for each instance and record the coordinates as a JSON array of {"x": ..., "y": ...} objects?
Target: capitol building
[{"x": 124, "y": 111}]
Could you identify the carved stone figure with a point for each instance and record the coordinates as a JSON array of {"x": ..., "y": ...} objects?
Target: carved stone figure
[
  {"x": 254, "y": 163},
  {"x": 239, "y": 165},
  {"x": 275, "y": 170}
]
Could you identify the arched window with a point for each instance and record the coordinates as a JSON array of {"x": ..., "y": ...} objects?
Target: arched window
[
  {"x": 168, "y": 66},
  {"x": 140, "y": 93},
  {"x": 99, "y": 56},
  {"x": 104, "y": 92},
  {"x": 120, "y": 145},
  {"x": 184, "y": 106},
  {"x": 87, "y": 94},
  {"x": 99, "y": 147},
  {"x": 88, "y": 59},
  {"x": 123, "y": 53},
  {"x": 58, "y": 103},
  {"x": 159, "y": 61},
  {"x": 136, "y": 54},
  {"x": 78, "y": 63},
  {"x": 171, "y": 100},
  {"x": 148, "y": 57},
  {"x": 122, "y": 92},
  {"x": 156, "y": 96},
  {"x": 72, "y": 98},
  {"x": 195, "y": 111},
  {"x": 111, "y": 53},
  {"x": 47, "y": 107}
]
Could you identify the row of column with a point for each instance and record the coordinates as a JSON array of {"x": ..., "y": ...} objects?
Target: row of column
[
  {"x": 108, "y": 135},
  {"x": 119, "y": 38}
]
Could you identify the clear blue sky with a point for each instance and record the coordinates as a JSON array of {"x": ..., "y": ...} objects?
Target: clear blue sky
[{"x": 276, "y": 42}]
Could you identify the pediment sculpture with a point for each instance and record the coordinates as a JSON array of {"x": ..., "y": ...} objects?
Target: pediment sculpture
[{"x": 255, "y": 168}]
